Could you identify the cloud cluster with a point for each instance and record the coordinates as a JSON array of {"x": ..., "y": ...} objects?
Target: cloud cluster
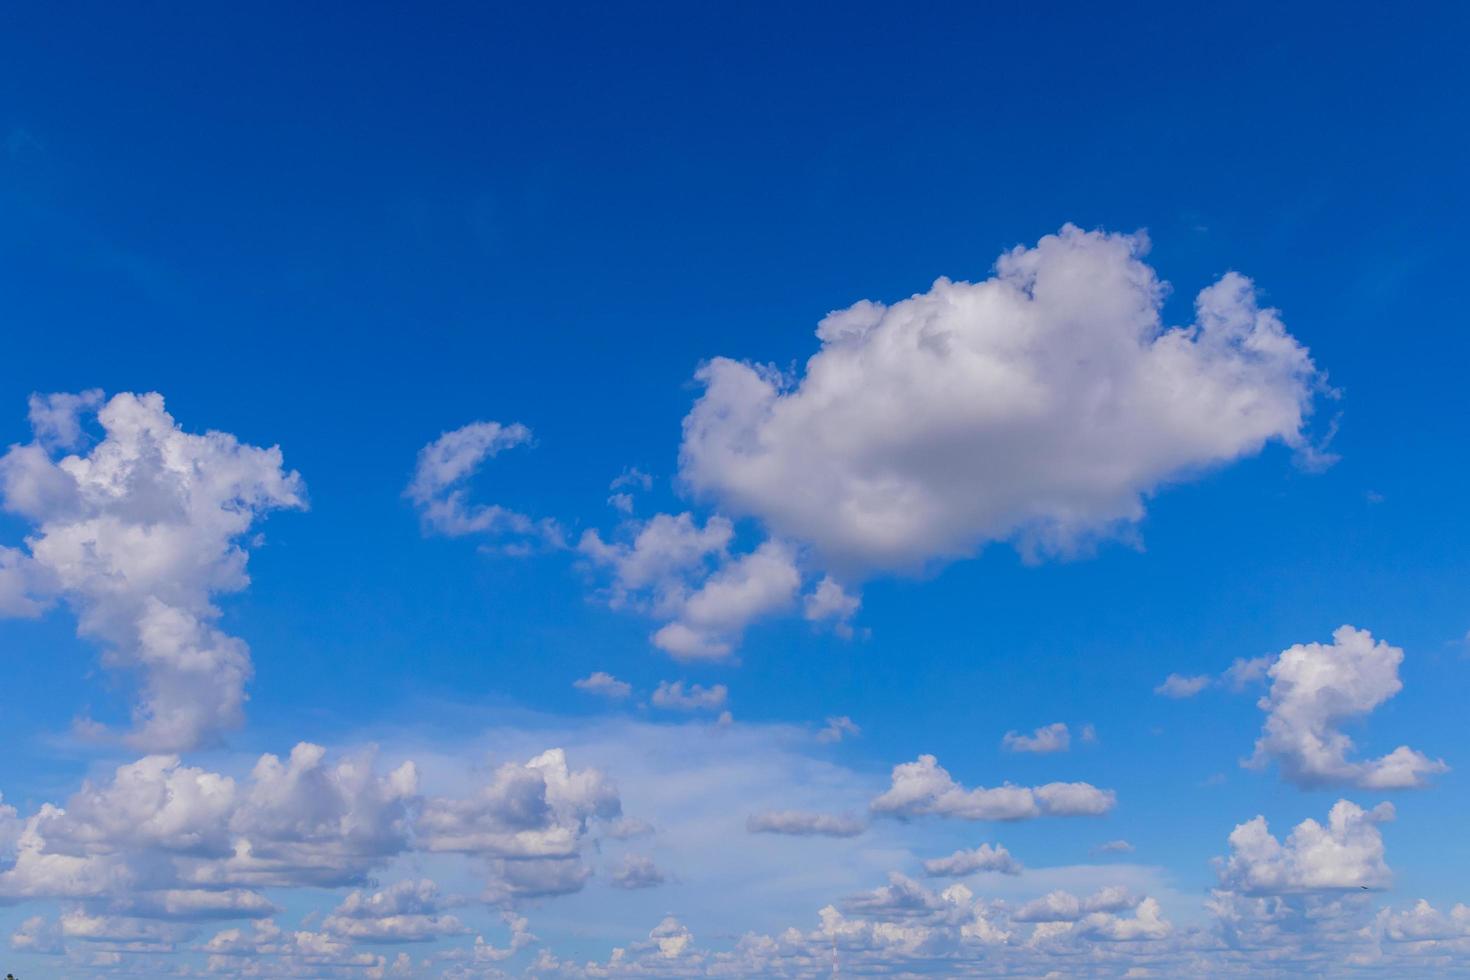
[
  {"x": 137, "y": 535},
  {"x": 923, "y": 788},
  {"x": 161, "y": 841},
  {"x": 1042, "y": 404}
]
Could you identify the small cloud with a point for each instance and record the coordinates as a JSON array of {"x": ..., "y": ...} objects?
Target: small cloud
[
  {"x": 637, "y": 871},
  {"x": 1046, "y": 739},
  {"x": 604, "y": 685},
  {"x": 1114, "y": 847},
  {"x": 674, "y": 696},
  {"x": 1180, "y": 686},
  {"x": 838, "y": 728}
]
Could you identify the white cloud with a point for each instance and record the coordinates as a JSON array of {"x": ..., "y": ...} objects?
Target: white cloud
[
  {"x": 986, "y": 857},
  {"x": 838, "y": 728},
  {"x": 713, "y": 617},
  {"x": 1314, "y": 689},
  {"x": 437, "y": 488},
  {"x": 137, "y": 536},
  {"x": 604, "y": 685},
  {"x": 1115, "y": 847},
  {"x": 673, "y": 696},
  {"x": 672, "y": 568},
  {"x": 923, "y": 788},
  {"x": 1345, "y": 854},
  {"x": 1180, "y": 686},
  {"x": 1043, "y": 404},
  {"x": 636, "y": 871},
  {"x": 803, "y": 823},
  {"x": 1046, "y": 739}
]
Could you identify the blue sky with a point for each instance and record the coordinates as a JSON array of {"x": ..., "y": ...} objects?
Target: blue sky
[{"x": 347, "y": 233}]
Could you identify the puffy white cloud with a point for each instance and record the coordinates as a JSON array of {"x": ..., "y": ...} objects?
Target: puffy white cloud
[
  {"x": 986, "y": 857},
  {"x": 138, "y": 535},
  {"x": 605, "y": 685},
  {"x": 1317, "y": 687},
  {"x": 1048, "y": 738},
  {"x": 439, "y": 493},
  {"x": 838, "y": 727},
  {"x": 712, "y": 618},
  {"x": 636, "y": 871},
  {"x": 1181, "y": 686},
  {"x": 804, "y": 823},
  {"x": 1044, "y": 403},
  {"x": 674, "y": 696},
  {"x": 923, "y": 787},
  {"x": 407, "y": 911},
  {"x": 1345, "y": 854},
  {"x": 674, "y": 569}
]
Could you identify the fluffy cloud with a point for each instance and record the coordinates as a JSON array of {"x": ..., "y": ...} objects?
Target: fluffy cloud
[
  {"x": 1044, "y": 403},
  {"x": 674, "y": 696},
  {"x": 923, "y": 787},
  {"x": 802, "y": 823},
  {"x": 438, "y": 487},
  {"x": 672, "y": 568},
  {"x": 986, "y": 857},
  {"x": 137, "y": 536},
  {"x": 1315, "y": 688},
  {"x": 1046, "y": 739},
  {"x": 604, "y": 685},
  {"x": 1345, "y": 854}
]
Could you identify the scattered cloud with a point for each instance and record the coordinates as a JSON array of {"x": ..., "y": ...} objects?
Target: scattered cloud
[
  {"x": 1180, "y": 686},
  {"x": 604, "y": 685},
  {"x": 1046, "y": 739},
  {"x": 674, "y": 696}
]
